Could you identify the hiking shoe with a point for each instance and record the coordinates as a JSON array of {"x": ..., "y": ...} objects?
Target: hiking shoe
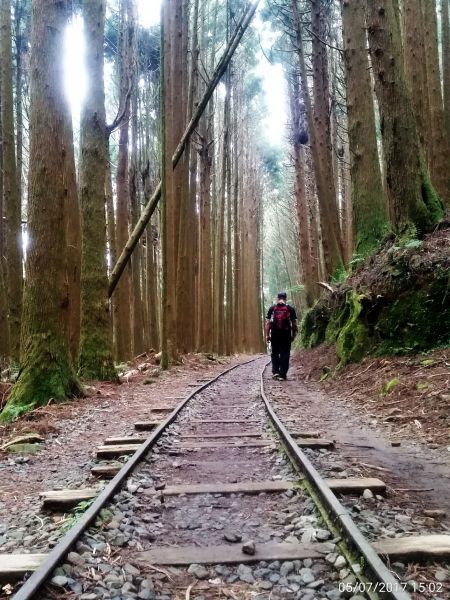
[
  {"x": 275, "y": 376},
  {"x": 282, "y": 377}
]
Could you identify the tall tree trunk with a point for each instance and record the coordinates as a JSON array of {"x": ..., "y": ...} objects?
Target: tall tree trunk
[
  {"x": 46, "y": 371},
  {"x": 299, "y": 188},
  {"x": 414, "y": 204},
  {"x": 333, "y": 250},
  {"x": 122, "y": 314},
  {"x": 11, "y": 196},
  {"x": 4, "y": 328},
  {"x": 416, "y": 68},
  {"x": 96, "y": 350},
  {"x": 439, "y": 155},
  {"x": 170, "y": 180},
  {"x": 369, "y": 212},
  {"x": 73, "y": 234},
  {"x": 319, "y": 132},
  {"x": 445, "y": 34}
]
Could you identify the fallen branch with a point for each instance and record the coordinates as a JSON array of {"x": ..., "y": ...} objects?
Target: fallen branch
[
  {"x": 327, "y": 286},
  {"x": 29, "y": 438}
]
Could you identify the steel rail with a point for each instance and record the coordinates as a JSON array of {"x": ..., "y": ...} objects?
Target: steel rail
[
  {"x": 35, "y": 582},
  {"x": 388, "y": 587}
]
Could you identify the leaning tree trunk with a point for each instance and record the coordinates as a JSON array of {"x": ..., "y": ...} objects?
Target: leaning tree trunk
[
  {"x": 369, "y": 210},
  {"x": 96, "y": 349},
  {"x": 11, "y": 195},
  {"x": 46, "y": 371},
  {"x": 414, "y": 204}
]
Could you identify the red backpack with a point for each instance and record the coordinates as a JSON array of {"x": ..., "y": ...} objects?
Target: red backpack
[{"x": 281, "y": 317}]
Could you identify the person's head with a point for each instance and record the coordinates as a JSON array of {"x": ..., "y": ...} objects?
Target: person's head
[{"x": 281, "y": 297}]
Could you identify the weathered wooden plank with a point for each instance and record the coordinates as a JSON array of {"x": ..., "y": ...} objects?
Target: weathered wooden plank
[
  {"x": 162, "y": 408},
  {"x": 146, "y": 425},
  {"x": 220, "y": 421},
  {"x": 214, "y": 436},
  {"x": 227, "y": 554},
  {"x": 354, "y": 485},
  {"x": 118, "y": 441},
  {"x": 106, "y": 471},
  {"x": 15, "y": 566},
  {"x": 314, "y": 444},
  {"x": 200, "y": 445},
  {"x": 305, "y": 434},
  {"x": 119, "y": 450},
  {"x": 66, "y": 498},
  {"x": 415, "y": 546},
  {"x": 254, "y": 487},
  {"x": 244, "y": 487}
]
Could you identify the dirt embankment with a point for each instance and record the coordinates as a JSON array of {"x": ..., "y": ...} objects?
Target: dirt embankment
[{"x": 397, "y": 302}]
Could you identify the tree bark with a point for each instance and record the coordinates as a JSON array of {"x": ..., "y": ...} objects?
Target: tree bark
[
  {"x": 96, "y": 349},
  {"x": 439, "y": 155},
  {"x": 369, "y": 207},
  {"x": 416, "y": 68},
  {"x": 445, "y": 34},
  {"x": 123, "y": 298},
  {"x": 332, "y": 243},
  {"x": 46, "y": 371},
  {"x": 414, "y": 204},
  {"x": 11, "y": 195}
]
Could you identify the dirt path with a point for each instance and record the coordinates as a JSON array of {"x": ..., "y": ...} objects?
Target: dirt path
[{"x": 366, "y": 440}]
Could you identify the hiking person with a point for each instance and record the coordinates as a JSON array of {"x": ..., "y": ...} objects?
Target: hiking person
[{"x": 281, "y": 329}]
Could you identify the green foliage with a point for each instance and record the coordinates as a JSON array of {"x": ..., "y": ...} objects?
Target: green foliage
[
  {"x": 77, "y": 513},
  {"x": 389, "y": 386},
  {"x": 313, "y": 326},
  {"x": 353, "y": 340}
]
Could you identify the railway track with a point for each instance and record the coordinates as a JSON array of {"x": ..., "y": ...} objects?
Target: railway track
[{"x": 219, "y": 500}]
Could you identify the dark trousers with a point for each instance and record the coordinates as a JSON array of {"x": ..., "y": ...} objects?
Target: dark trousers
[{"x": 281, "y": 351}]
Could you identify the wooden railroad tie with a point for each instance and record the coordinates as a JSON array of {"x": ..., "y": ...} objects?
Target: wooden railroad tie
[
  {"x": 351, "y": 486},
  {"x": 314, "y": 444},
  {"x": 215, "y": 436},
  {"x": 238, "y": 444},
  {"x": 118, "y": 441},
  {"x": 114, "y": 451},
  {"x": 225, "y": 421},
  {"x": 305, "y": 434},
  {"x": 415, "y": 547},
  {"x": 16, "y": 566},
  {"x": 146, "y": 425},
  {"x": 106, "y": 471},
  {"x": 62, "y": 499},
  {"x": 227, "y": 554},
  {"x": 162, "y": 408}
]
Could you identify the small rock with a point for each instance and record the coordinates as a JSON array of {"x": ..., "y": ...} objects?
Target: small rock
[
  {"x": 198, "y": 571},
  {"x": 75, "y": 559},
  {"x": 245, "y": 574},
  {"x": 249, "y": 548},
  {"x": 286, "y": 568},
  {"x": 232, "y": 537},
  {"x": 60, "y": 580},
  {"x": 368, "y": 494},
  {"x": 265, "y": 585},
  {"x": 340, "y": 562},
  {"x": 322, "y": 535},
  {"x": 441, "y": 575}
]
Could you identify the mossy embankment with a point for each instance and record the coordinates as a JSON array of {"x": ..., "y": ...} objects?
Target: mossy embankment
[{"x": 397, "y": 302}]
